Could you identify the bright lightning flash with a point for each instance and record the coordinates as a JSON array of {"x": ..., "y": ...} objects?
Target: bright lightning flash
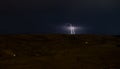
[{"x": 72, "y": 29}]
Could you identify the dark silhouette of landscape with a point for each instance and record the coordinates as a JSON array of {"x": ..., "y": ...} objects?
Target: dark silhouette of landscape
[{"x": 59, "y": 51}]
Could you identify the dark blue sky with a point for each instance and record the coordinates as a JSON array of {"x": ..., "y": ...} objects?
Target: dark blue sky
[{"x": 48, "y": 16}]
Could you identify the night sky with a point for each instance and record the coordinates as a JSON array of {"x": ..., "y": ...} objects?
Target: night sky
[{"x": 49, "y": 16}]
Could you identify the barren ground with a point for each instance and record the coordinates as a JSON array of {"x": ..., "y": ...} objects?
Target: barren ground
[{"x": 59, "y": 52}]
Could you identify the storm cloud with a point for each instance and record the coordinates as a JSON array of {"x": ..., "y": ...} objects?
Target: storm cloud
[
  {"x": 65, "y": 3},
  {"x": 36, "y": 15}
]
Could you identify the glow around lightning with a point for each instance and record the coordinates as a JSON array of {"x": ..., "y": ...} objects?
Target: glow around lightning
[{"x": 72, "y": 29}]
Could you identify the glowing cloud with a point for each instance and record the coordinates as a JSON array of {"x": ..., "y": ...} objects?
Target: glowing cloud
[{"x": 72, "y": 29}]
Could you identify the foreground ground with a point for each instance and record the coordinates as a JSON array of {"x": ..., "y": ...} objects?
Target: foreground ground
[{"x": 59, "y": 52}]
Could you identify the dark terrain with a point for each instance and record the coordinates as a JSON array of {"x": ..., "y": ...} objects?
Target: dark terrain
[{"x": 59, "y": 51}]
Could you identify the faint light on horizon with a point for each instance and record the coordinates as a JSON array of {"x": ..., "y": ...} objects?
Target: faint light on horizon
[{"x": 72, "y": 29}]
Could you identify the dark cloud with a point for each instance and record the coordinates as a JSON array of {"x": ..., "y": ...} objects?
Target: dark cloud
[
  {"x": 65, "y": 3},
  {"x": 39, "y": 14},
  {"x": 68, "y": 6}
]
